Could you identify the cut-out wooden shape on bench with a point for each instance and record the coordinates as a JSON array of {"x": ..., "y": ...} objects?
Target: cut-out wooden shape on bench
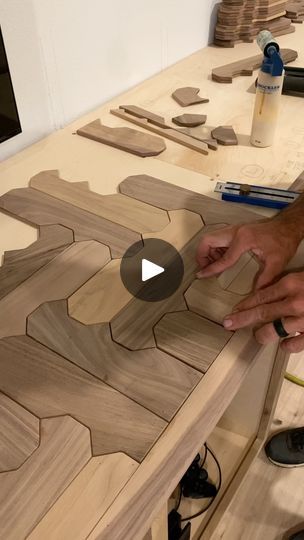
[
  {"x": 225, "y": 135},
  {"x": 190, "y": 120},
  {"x": 49, "y": 385},
  {"x": 152, "y": 378},
  {"x": 38, "y": 208},
  {"x": 127, "y": 212},
  {"x": 19, "y": 434},
  {"x": 58, "y": 279},
  {"x": 20, "y": 264},
  {"x": 124, "y": 138},
  {"x": 188, "y": 96}
]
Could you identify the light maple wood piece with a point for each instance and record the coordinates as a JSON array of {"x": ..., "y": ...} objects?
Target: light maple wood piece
[
  {"x": 103, "y": 296},
  {"x": 171, "y": 197},
  {"x": 39, "y": 208},
  {"x": 124, "y": 138},
  {"x": 225, "y": 135},
  {"x": 192, "y": 339},
  {"x": 152, "y": 378},
  {"x": 86, "y": 499},
  {"x": 201, "y": 136},
  {"x": 226, "y": 73},
  {"x": 49, "y": 385},
  {"x": 58, "y": 279},
  {"x": 166, "y": 131},
  {"x": 20, "y": 264},
  {"x": 188, "y": 96},
  {"x": 124, "y": 211},
  {"x": 19, "y": 434},
  {"x": 190, "y": 120},
  {"x": 28, "y": 493},
  {"x": 208, "y": 299}
]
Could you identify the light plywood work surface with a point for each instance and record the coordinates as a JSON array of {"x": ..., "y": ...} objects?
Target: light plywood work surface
[{"x": 66, "y": 381}]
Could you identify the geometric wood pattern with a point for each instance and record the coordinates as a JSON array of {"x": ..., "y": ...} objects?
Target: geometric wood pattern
[
  {"x": 20, "y": 264},
  {"x": 86, "y": 499},
  {"x": 191, "y": 338},
  {"x": 28, "y": 492},
  {"x": 127, "y": 212},
  {"x": 154, "y": 380},
  {"x": 131, "y": 140},
  {"x": 188, "y": 96},
  {"x": 242, "y": 20},
  {"x": 91, "y": 376},
  {"x": 19, "y": 434},
  {"x": 227, "y": 72}
]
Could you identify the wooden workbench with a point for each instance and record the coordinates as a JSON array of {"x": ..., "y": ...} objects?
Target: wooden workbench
[{"x": 231, "y": 406}]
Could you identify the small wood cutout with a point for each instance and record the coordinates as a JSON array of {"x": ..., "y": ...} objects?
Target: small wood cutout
[
  {"x": 190, "y": 120},
  {"x": 225, "y": 135},
  {"x": 188, "y": 96}
]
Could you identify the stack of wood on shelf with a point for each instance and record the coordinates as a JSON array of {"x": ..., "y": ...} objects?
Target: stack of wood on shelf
[
  {"x": 295, "y": 11},
  {"x": 242, "y": 20}
]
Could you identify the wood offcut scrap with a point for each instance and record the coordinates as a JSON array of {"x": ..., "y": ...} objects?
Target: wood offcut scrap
[{"x": 241, "y": 21}]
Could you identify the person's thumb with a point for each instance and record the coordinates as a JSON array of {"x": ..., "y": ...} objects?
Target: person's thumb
[{"x": 229, "y": 258}]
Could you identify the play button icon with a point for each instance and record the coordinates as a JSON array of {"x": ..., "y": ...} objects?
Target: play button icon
[
  {"x": 149, "y": 270},
  {"x": 152, "y": 270}
]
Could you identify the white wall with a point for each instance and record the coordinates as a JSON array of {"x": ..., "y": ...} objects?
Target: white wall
[{"x": 69, "y": 56}]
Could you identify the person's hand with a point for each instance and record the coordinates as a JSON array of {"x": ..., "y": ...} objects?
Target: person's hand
[
  {"x": 283, "y": 300},
  {"x": 272, "y": 241}
]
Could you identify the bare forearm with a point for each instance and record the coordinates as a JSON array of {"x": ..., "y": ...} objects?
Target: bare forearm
[{"x": 293, "y": 218}]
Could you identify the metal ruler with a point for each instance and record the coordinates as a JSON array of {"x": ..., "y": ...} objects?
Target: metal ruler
[{"x": 256, "y": 195}]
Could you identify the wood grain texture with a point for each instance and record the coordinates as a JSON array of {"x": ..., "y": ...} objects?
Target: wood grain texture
[
  {"x": 20, "y": 264},
  {"x": 133, "y": 326},
  {"x": 39, "y": 208},
  {"x": 58, "y": 279},
  {"x": 86, "y": 499},
  {"x": 225, "y": 135},
  {"x": 208, "y": 299},
  {"x": 188, "y": 96},
  {"x": 191, "y": 338},
  {"x": 170, "y": 197},
  {"x": 49, "y": 385},
  {"x": 19, "y": 434},
  {"x": 127, "y": 212},
  {"x": 168, "y": 132},
  {"x": 28, "y": 493},
  {"x": 152, "y": 378},
  {"x": 143, "y": 113},
  {"x": 197, "y": 134},
  {"x": 124, "y": 138},
  {"x": 190, "y": 120},
  {"x": 226, "y": 73},
  {"x": 102, "y": 297}
]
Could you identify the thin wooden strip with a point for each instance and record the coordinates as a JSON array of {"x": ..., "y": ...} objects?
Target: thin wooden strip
[
  {"x": 104, "y": 295},
  {"x": 208, "y": 299},
  {"x": 149, "y": 488},
  {"x": 191, "y": 338},
  {"x": 133, "y": 326},
  {"x": 124, "y": 138},
  {"x": 40, "y": 209},
  {"x": 58, "y": 279},
  {"x": 27, "y": 494},
  {"x": 49, "y": 385},
  {"x": 152, "y": 378},
  {"x": 19, "y": 265},
  {"x": 127, "y": 212},
  {"x": 171, "y": 197},
  {"x": 19, "y": 434},
  {"x": 87, "y": 498},
  {"x": 170, "y": 133}
]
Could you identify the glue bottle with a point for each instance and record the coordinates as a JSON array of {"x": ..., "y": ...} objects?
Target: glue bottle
[{"x": 268, "y": 92}]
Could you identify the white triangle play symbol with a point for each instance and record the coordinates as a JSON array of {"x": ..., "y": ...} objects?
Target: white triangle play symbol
[{"x": 150, "y": 270}]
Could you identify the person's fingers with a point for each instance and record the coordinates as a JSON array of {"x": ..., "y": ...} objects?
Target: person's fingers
[
  {"x": 229, "y": 258},
  {"x": 216, "y": 240},
  {"x": 267, "y": 273},
  {"x": 267, "y": 334},
  {"x": 271, "y": 294},
  {"x": 259, "y": 314},
  {"x": 294, "y": 344}
]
